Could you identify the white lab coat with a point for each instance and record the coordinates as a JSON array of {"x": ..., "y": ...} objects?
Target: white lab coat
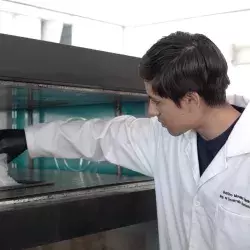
[{"x": 211, "y": 212}]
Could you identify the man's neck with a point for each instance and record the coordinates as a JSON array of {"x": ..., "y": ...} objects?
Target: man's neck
[{"x": 216, "y": 121}]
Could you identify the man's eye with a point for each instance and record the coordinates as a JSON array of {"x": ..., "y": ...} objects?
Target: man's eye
[{"x": 154, "y": 101}]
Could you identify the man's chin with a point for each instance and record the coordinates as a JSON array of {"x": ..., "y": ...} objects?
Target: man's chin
[
  {"x": 173, "y": 133},
  {"x": 170, "y": 131}
]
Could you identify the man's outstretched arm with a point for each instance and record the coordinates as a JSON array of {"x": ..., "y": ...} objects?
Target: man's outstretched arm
[{"x": 124, "y": 141}]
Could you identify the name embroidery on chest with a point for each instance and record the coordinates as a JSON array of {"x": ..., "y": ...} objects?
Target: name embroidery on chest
[{"x": 235, "y": 198}]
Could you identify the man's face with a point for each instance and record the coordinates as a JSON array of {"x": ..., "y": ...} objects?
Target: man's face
[{"x": 177, "y": 120}]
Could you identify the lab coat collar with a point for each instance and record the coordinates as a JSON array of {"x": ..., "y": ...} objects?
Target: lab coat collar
[{"x": 238, "y": 142}]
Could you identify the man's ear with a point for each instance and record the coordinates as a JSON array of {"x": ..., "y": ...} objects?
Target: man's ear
[{"x": 191, "y": 99}]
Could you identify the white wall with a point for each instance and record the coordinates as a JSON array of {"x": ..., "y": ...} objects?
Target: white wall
[
  {"x": 97, "y": 35},
  {"x": 25, "y": 21},
  {"x": 224, "y": 30}
]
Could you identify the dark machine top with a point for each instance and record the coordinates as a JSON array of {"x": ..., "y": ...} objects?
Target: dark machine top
[{"x": 35, "y": 61}]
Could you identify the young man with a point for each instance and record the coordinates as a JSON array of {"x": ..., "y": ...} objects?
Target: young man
[{"x": 195, "y": 145}]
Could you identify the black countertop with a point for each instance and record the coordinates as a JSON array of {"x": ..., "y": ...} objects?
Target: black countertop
[
  {"x": 58, "y": 182},
  {"x": 71, "y": 204}
]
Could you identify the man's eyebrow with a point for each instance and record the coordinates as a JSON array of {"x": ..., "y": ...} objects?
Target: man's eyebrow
[{"x": 152, "y": 98}]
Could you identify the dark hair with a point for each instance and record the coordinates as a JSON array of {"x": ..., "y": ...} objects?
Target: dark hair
[{"x": 184, "y": 62}]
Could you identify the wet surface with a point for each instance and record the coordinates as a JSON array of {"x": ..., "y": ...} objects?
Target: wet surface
[{"x": 41, "y": 182}]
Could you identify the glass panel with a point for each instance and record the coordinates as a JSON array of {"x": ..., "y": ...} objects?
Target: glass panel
[{"x": 57, "y": 103}]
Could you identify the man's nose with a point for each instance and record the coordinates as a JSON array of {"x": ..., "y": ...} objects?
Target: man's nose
[{"x": 152, "y": 109}]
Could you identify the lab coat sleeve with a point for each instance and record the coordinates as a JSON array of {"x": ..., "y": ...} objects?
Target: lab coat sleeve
[{"x": 124, "y": 140}]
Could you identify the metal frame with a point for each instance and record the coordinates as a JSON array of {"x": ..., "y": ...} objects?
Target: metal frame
[
  {"x": 118, "y": 112},
  {"x": 32, "y": 218}
]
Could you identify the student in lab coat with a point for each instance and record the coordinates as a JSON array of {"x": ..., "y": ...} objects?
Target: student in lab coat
[{"x": 195, "y": 145}]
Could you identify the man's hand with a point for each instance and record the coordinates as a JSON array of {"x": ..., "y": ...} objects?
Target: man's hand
[{"x": 12, "y": 143}]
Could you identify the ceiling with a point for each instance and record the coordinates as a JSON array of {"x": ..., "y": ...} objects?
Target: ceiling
[{"x": 139, "y": 12}]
